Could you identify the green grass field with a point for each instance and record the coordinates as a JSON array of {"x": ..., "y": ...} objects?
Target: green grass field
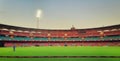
[{"x": 60, "y": 51}]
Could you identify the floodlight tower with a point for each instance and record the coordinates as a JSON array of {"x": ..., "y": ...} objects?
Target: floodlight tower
[{"x": 38, "y": 15}]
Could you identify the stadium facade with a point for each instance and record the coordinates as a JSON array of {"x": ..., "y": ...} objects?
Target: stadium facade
[{"x": 21, "y": 36}]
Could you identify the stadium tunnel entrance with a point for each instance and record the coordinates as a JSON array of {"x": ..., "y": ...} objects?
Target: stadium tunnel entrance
[{"x": 2, "y": 44}]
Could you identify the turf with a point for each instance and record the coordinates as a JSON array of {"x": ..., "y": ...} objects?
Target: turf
[
  {"x": 60, "y": 51},
  {"x": 59, "y": 59}
]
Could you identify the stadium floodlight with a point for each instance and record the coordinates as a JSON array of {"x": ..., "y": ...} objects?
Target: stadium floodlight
[
  {"x": 39, "y": 12},
  {"x": 38, "y": 15}
]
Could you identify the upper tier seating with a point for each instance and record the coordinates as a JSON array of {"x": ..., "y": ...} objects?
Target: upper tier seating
[
  {"x": 57, "y": 39},
  {"x": 2, "y": 37},
  {"x": 21, "y": 38},
  {"x": 92, "y": 38},
  {"x": 111, "y": 38},
  {"x": 40, "y": 39},
  {"x": 74, "y": 39}
]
